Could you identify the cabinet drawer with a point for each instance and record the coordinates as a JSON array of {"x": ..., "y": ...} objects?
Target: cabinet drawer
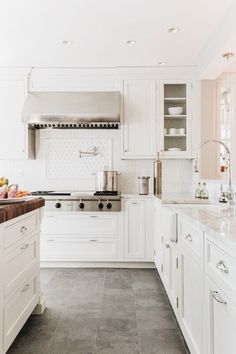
[
  {"x": 18, "y": 307},
  {"x": 221, "y": 264},
  {"x": 78, "y": 249},
  {"x": 20, "y": 261},
  {"x": 80, "y": 225},
  {"x": 20, "y": 229},
  {"x": 190, "y": 236}
]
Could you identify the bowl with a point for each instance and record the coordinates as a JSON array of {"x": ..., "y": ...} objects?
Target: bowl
[{"x": 175, "y": 110}]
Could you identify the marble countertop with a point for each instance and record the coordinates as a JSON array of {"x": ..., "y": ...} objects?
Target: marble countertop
[
  {"x": 180, "y": 198},
  {"x": 218, "y": 221}
]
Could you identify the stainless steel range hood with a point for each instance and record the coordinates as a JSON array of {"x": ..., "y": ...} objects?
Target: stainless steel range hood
[{"x": 72, "y": 110}]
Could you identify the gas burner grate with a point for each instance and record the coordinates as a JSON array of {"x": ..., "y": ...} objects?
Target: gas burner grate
[{"x": 106, "y": 193}]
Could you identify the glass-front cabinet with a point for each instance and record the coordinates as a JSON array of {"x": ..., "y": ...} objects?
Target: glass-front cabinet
[{"x": 175, "y": 119}]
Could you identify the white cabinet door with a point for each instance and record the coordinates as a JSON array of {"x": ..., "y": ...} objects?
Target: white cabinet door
[
  {"x": 135, "y": 229},
  {"x": 139, "y": 121},
  {"x": 166, "y": 252},
  {"x": 175, "y": 128},
  {"x": 13, "y": 133},
  {"x": 220, "y": 319},
  {"x": 191, "y": 275}
]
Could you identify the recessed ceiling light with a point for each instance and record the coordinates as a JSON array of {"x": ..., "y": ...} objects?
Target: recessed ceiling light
[
  {"x": 161, "y": 63},
  {"x": 131, "y": 41},
  {"x": 173, "y": 29},
  {"x": 67, "y": 43},
  {"x": 228, "y": 55}
]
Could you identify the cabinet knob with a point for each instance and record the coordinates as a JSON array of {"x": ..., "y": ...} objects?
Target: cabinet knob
[
  {"x": 23, "y": 229},
  {"x": 222, "y": 266},
  {"x": 126, "y": 150},
  {"x": 188, "y": 238},
  {"x": 167, "y": 246}
]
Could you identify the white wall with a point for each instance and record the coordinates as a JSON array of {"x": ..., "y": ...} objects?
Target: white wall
[{"x": 59, "y": 167}]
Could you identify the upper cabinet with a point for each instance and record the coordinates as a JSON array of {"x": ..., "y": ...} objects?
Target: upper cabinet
[
  {"x": 139, "y": 133},
  {"x": 14, "y": 142},
  {"x": 175, "y": 119}
]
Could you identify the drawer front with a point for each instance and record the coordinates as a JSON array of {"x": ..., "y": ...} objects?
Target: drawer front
[
  {"x": 80, "y": 225},
  {"x": 19, "y": 262},
  {"x": 18, "y": 307},
  {"x": 221, "y": 264},
  {"x": 191, "y": 237},
  {"x": 20, "y": 229},
  {"x": 78, "y": 249}
]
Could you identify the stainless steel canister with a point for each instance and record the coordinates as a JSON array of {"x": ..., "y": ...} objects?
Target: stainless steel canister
[{"x": 143, "y": 185}]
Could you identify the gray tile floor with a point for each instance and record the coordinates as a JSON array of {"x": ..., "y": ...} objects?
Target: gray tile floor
[{"x": 101, "y": 311}]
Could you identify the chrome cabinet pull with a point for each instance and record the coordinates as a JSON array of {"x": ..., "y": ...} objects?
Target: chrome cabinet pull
[
  {"x": 23, "y": 229},
  {"x": 222, "y": 266},
  {"x": 218, "y": 298},
  {"x": 25, "y": 288},
  {"x": 93, "y": 216},
  {"x": 188, "y": 237},
  {"x": 93, "y": 241},
  {"x": 51, "y": 240},
  {"x": 25, "y": 246}
]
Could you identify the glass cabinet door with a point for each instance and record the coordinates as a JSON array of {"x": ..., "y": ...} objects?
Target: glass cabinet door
[{"x": 175, "y": 119}]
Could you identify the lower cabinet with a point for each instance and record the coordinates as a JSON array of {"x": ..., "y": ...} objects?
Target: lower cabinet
[
  {"x": 220, "y": 319},
  {"x": 190, "y": 300},
  {"x": 79, "y": 249},
  {"x": 18, "y": 307},
  {"x": 199, "y": 279},
  {"x": 119, "y": 236},
  {"x": 135, "y": 229},
  {"x": 166, "y": 256},
  {"x": 20, "y": 274}
]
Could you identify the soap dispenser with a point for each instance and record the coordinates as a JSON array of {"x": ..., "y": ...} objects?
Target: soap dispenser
[
  {"x": 198, "y": 190},
  {"x": 204, "y": 193}
]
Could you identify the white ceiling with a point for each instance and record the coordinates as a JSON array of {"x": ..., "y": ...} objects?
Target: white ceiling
[{"x": 31, "y": 32}]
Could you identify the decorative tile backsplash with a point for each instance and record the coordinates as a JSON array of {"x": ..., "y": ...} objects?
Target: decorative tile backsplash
[
  {"x": 58, "y": 165},
  {"x": 77, "y": 158}
]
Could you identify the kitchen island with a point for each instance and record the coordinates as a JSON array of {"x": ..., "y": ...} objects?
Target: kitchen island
[{"x": 20, "y": 293}]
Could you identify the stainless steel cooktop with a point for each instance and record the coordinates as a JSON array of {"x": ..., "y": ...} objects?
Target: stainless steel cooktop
[{"x": 80, "y": 201}]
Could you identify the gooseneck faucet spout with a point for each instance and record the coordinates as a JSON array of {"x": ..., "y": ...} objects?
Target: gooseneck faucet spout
[{"x": 230, "y": 192}]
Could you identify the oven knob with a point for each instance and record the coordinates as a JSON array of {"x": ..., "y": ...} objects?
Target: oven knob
[
  {"x": 100, "y": 205},
  {"x": 81, "y": 205},
  {"x": 58, "y": 205},
  {"x": 109, "y": 205}
]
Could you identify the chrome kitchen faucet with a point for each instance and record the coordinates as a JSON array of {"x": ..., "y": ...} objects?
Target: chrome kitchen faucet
[{"x": 230, "y": 191}]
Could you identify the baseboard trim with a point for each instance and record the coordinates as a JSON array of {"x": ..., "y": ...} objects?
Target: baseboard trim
[{"x": 97, "y": 265}]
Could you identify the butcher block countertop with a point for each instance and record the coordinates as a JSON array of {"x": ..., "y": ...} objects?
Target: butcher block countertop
[{"x": 11, "y": 211}]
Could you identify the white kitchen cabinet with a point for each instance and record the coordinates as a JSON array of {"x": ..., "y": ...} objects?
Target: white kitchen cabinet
[
  {"x": 166, "y": 256},
  {"x": 139, "y": 132},
  {"x": 190, "y": 300},
  {"x": 76, "y": 249},
  {"x": 175, "y": 143},
  {"x": 20, "y": 283},
  {"x": 85, "y": 237},
  {"x": 16, "y": 140},
  {"x": 191, "y": 287},
  {"x": 135, "y": 229},
  {"x": 220, "y": 319}
]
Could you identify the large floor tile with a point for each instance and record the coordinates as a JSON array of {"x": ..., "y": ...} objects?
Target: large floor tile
[{"x": 101, "y": 311}]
